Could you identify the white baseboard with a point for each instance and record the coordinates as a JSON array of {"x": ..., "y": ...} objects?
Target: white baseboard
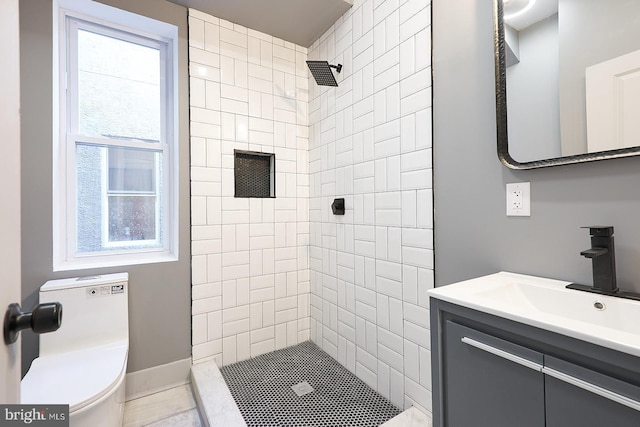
[{"x": 158, "y": 378}]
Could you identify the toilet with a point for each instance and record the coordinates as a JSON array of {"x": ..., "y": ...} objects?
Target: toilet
[{"x": 83, "y": 364}]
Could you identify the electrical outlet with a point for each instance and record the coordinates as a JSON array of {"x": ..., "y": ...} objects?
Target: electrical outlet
[
  {"x": 516, "y": 199},
  {"x": 519, "y": 199}
]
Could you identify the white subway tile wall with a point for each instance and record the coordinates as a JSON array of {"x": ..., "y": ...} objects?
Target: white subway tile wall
[
  {"x": 370, "y": 142},
  {"x": 250, "y": 266},
  {"x": 270, "y": 273}
]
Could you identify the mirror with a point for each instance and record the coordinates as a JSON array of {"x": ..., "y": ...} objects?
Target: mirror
[{"x": 567, "y": 81}]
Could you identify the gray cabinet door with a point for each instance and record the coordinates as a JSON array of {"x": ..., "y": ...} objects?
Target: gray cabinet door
[
  {"x": 489, "y": 382},
  {"x": 578, "y": 397}
]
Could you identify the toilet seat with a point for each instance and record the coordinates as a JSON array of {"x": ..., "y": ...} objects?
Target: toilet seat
[{"x": 93, "y": 372}]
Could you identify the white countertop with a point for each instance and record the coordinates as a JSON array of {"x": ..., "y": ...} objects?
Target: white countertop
[{"x": 547, "y": 304}]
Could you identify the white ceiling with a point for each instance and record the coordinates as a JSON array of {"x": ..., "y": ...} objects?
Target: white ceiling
[
  {"x": 297, "y": 21},
  {"x": 540, "y": 10}
]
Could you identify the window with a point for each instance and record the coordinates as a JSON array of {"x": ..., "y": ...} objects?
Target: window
[{"x": 115, "y": 158}]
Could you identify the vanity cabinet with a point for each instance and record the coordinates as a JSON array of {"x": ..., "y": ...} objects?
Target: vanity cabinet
[{"x": 493, "y": 372}]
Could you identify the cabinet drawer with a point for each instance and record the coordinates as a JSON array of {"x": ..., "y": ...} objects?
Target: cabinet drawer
[
  {"x": 490, "y": 382},
  {"x": 576, "y": 396}
]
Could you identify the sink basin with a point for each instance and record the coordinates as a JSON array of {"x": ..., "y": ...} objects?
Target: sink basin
[{"x": 546, "y": 303}]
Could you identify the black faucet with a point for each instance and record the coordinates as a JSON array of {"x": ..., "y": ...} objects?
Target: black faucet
[{"x": 603, "y": 259}]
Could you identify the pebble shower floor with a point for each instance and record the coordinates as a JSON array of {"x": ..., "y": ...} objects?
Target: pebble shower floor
[{"x": 262, "y": 389}]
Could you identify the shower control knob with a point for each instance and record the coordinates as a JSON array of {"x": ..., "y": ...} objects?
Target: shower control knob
[
  {"x": 44, "y": 318},
  {"x": 337, "y": 207}
]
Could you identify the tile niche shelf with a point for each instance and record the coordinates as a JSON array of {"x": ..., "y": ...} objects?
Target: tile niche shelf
[{"x": 254, "y": 174}]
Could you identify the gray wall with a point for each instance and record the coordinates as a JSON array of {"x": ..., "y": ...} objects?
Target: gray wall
[
  {"x": 473, "y": 237},
  {"x": 534, "y": 125},
  {"x": 590, "y": 31},
  {"x": 159, "y": 294}
]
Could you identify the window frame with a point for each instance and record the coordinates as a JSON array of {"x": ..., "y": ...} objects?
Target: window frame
[{"x": 71, "y": 16}]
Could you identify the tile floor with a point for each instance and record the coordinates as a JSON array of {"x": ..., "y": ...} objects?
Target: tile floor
[
  {"x": 177, "y": 407},
  {"x": 173, "y": 407},
  {"x": 303, "y": 386}
]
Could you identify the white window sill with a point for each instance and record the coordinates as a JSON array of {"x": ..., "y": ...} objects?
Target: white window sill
[{"x": 114, "y": 261}]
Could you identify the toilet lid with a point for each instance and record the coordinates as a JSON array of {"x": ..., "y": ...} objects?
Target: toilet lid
[{"x": 76, "y": 378}]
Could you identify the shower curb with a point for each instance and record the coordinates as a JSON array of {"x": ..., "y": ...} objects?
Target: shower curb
[
  {"x": 412, "y": 417},
  {"x": 215, "y": 403}
]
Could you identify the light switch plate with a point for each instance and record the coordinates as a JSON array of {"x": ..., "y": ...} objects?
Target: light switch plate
[{"x": 519, "y": 199}]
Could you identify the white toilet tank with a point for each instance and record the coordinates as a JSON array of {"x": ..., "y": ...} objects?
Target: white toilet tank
[
  {"x": 83, "y": 364},
  {"x": 94, "y": 312}
]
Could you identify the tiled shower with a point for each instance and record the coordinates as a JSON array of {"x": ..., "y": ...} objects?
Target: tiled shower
[
  {"x": 269, "y": 273},
  {"x": 250, "y": 255},
  {"x": 370, "y": 142}
]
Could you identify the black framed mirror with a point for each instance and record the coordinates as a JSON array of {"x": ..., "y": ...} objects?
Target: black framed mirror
[{"x": 567, "y": 75}]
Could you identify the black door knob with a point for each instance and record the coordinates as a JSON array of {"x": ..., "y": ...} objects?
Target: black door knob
[{"x": 44, "y": 318}]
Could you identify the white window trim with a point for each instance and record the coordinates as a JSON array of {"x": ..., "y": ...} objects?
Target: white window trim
[{"x": 64, "y": 143}]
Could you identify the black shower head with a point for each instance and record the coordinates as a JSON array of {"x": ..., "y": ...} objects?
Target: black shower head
[{"x": 321, "y": 71}]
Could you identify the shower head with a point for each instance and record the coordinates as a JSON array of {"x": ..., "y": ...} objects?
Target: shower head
[{"x": 321, "y": 71}]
